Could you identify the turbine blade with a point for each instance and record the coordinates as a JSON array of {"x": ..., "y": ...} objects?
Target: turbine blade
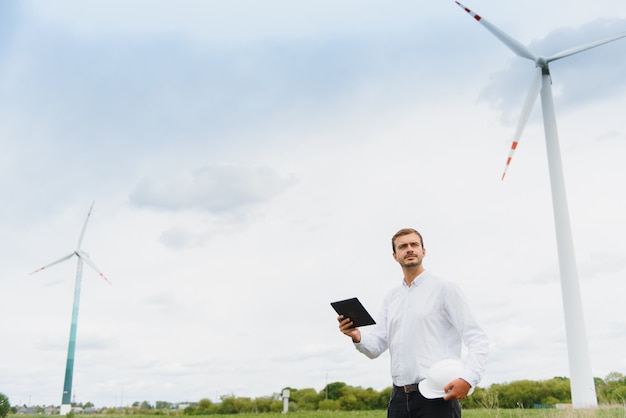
[
  {"x": 53, "y": 263},
  {"x": 82, "y": 233},
  {"x": 531, "y": 97},
  {"x": 513, "y": 44},
  {"x": 91, "y": 264},
  {"x": 584, "y": 47}
]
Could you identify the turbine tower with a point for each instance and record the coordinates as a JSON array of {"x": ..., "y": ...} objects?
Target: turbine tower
[
  {"x": 581, "y": 378},
  {"x": 66, "y": 403}
]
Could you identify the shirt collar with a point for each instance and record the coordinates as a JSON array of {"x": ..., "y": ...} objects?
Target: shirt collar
[{"x": 417, "y": 281}]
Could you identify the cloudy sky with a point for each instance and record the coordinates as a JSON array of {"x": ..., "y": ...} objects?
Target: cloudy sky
[{"x": 249, "y": 162}]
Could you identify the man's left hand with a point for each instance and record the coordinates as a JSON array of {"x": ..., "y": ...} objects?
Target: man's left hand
[{"x": 457, "y": 389}]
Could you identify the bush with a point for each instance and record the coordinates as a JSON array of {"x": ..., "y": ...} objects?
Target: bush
[
  {"x": 5, "y": 405},
  {"x": 329, "y": 405}
]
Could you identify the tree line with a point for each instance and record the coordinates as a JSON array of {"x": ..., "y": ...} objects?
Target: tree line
[{"x": 339, "y": 396}]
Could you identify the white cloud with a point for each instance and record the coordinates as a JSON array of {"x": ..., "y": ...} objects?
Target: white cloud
[{"x": 217, "y": 189}]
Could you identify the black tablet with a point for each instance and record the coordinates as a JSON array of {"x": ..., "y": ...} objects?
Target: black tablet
[{"x": 353, "y": 309}]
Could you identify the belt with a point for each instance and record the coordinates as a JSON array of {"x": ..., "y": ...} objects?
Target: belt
[{"x": 407, "y": 388}]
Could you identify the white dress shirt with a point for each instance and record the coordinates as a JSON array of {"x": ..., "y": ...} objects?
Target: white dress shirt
[{"x": 422, "y": 324}]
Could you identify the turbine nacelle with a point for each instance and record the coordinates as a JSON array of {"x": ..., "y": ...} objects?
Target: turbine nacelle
[{"x": 542, "y": 62}]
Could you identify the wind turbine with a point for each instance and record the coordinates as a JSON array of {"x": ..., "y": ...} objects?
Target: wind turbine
[
  {"x": 66, "y": 403},
  {"x": 581, "y": 378}
]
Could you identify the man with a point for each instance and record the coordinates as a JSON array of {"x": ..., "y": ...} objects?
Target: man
[{"x": 423, "y": 321}]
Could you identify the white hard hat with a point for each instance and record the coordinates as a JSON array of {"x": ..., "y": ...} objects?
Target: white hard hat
[{"x": 439, "y": 375}]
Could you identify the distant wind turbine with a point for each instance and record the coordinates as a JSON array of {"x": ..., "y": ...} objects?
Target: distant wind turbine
[
  {"x": 581, "y": 378},
  {"x": 66, "y": 403}
]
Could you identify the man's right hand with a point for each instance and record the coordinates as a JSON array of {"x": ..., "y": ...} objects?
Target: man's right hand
[{"x": 345, "y": 326}]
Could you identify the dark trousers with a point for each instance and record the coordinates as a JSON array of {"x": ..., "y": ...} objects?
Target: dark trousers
[{"x": 414, "y": 405}]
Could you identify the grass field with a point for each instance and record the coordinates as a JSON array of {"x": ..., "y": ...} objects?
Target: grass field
[
  {"x": 614, "y": 412},
  {"x": 603, "y": 412}
]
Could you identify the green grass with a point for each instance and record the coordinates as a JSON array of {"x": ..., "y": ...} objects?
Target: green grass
[
  {"x": 605, "y": 412},
  {"x": 601, "y": 412}
]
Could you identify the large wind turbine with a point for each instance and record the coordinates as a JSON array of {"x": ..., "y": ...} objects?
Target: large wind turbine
[
  {"x": 66, "y": 403},
  {"x": 581, "y": 379}
]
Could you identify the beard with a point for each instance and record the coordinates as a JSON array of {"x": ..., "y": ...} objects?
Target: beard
[{"x": 412, "y": 264}]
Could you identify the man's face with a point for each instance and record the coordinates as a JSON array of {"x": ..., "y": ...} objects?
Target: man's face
[{"x": 409, "y": 251}]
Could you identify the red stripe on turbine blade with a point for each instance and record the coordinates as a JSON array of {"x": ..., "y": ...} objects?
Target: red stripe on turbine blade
[
  {"x": 468, "y": 10},
  {"x": 514, "y": 145},
  {"x": 105, "y": 278}
]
